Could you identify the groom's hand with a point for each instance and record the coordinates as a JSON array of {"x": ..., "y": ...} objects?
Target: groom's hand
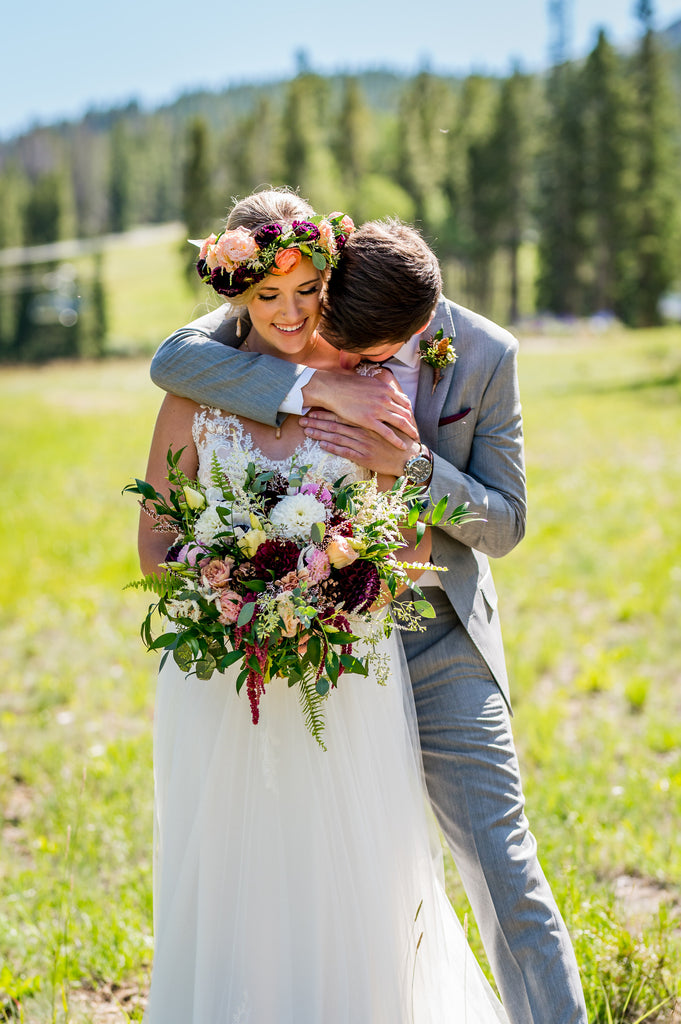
[
  {"x": 365, "y": 447},
  {"x": 376, "y": 404}
]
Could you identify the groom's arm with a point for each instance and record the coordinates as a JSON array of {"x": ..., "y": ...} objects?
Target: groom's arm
[{"x": 201, "y": 362}]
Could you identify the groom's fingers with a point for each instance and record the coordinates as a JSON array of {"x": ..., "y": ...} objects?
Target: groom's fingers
[{"x": 376, "y": 404}]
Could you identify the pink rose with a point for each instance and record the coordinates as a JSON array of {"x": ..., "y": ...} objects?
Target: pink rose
[
  {"x": 340, "y": 552},
  {"x": 285, "y": 261},
  {"x": 230, "y": 606},
  {"x": 216, "y": 572},
  {"x": 206, "y": 245},
  {"x": 327, "y": 236},
  {"x": 235, "y": 247}
]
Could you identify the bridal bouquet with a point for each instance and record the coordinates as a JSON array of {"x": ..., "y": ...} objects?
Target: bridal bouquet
[{"x": 278, "y": 575}]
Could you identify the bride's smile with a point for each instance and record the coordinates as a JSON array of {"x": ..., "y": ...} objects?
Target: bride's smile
[{"x": 285, "y": 311}]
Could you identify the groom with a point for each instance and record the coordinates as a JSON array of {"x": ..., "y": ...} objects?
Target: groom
[{"x": 465, "y": 440}]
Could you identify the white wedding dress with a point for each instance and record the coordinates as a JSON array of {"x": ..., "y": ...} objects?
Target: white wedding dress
[{"x": 294, "y": 885}]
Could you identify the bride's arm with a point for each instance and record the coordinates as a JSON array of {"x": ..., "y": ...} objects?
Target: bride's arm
[{"x": 173, "y": 427}]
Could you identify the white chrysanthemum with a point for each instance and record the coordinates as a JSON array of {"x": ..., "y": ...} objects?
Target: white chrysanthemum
[
  {"x": 294, "y": 515},
  {"x": 208, "y": 525}
]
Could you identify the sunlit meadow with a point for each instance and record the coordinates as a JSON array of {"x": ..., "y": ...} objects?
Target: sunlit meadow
[{"x": 591, "y": 605}]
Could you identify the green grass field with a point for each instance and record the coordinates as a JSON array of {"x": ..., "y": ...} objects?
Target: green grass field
[{"x": 591, "y": 605}]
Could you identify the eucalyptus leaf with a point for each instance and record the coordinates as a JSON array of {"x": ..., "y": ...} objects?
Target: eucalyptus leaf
[
  {"x": 322, "y": 686},
  {"x": 205, "y": 666},
  {"x": 184, "y": 659},
  {"x": 317, "y": 532},
  {"x": 246, "y": 614}
]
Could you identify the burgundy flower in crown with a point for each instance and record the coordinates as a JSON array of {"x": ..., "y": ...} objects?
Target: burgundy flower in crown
[
  {"x": 267, "y": 234},
  {"x": 305, "y": 229},
  {"x": 236, "y": 259}
]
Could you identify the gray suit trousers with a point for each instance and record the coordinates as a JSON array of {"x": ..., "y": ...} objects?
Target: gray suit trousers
[{"x": 474, "y": 785}]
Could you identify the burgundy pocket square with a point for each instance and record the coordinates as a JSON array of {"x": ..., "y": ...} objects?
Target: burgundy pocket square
[{"x": 452, "y": 419}]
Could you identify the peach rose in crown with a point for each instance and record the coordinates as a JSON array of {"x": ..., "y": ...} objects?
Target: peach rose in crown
[
  {"x": 230, "y": 606},
  {"x": 326, "y": 235},
  {"x": 285, "y": 261},
  {"x": 340, "y": 553},
  {"x": 235, "y": 247},
  {"x": 207, "y": 242},
  {"x": 347, "y": 224}
]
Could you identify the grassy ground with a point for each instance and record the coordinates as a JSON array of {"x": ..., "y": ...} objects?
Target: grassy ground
[{"x": 591, "y": 603}]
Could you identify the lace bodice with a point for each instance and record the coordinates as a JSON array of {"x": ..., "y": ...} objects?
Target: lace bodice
[{"x": 224, "y": 435}]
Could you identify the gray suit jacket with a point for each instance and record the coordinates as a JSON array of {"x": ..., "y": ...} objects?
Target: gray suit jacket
[{"x": 472, "y": 423}]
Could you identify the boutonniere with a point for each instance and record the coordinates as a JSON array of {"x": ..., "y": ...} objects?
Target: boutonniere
[{"x": 437, "y": 351}]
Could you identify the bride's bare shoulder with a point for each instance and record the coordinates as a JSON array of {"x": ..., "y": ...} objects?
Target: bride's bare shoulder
[{"x": 175, "y": 409}]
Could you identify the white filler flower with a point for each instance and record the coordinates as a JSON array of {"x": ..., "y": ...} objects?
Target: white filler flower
[
  {"x": 294, "y": 515},
  {"x": 208, "y": 525}
]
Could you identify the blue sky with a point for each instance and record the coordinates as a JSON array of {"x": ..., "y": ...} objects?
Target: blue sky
[{"x": 58, "y": 59}]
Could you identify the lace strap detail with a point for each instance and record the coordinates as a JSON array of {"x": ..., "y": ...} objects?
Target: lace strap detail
[{"x": 211, "y": 420}]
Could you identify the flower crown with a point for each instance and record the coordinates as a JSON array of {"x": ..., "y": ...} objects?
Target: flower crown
[{"x": 233, "y": 261}]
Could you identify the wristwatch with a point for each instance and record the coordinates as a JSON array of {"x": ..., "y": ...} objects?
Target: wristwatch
[{"x": 419, "y": 468}]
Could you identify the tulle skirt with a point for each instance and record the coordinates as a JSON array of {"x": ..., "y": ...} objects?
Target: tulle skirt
[{"x": 295, "y": 885}]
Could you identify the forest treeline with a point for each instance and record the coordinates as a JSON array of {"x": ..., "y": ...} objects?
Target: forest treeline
[{"x": 570, "y": 181}]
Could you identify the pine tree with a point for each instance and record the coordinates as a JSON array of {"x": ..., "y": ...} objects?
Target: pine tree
[
  {"x": 351, "y": 145},
  {"x": 196, "y": 191},
  {"x": 120, "y": 211},
  {"x": 513, "y": 147},
  {"x": 610, "y": 179},
  {"x": 657, "y": 226},
  {"x": 562, "y": 206},
  {"x": 424, "y": 117},
  {"x": 250, "y": 150}
]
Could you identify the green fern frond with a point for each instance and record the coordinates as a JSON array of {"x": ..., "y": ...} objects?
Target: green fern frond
[
  {"x": 163, "y": 586},
  {"x": 312, "y": 705}
]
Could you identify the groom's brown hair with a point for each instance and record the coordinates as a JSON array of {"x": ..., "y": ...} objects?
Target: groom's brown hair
[{"x": 384, "y": 289}]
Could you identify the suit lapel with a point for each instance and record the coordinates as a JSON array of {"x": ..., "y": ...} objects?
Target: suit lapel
[{"x": 428, "y": 402}]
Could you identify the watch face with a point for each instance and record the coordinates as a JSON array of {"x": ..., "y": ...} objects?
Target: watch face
[{"x": 417, "y": 470}]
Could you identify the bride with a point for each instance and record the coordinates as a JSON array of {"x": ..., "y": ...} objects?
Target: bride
[{"x": 292, "y": 885}]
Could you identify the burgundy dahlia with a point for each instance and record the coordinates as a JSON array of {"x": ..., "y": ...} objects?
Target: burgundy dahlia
[
  {"x": 358, "y": 585},
  {"x": 277, "y": 557},
  {"x": 267, "y": 234},
  {"x": 305, "y": 229},
  {"x": 220, "y": 281}
]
